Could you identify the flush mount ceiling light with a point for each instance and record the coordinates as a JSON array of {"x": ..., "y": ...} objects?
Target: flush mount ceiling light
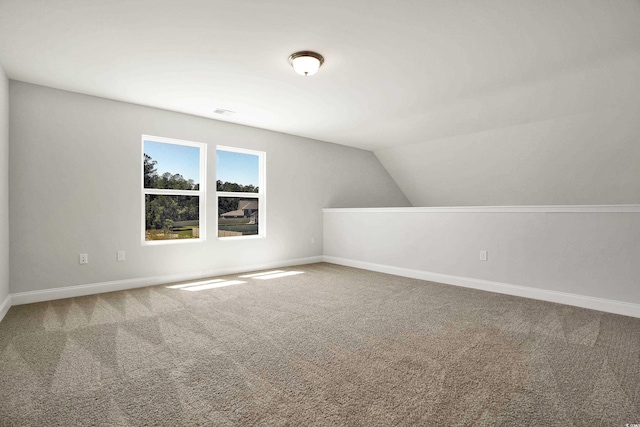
[{"x": 306, "y": 63}]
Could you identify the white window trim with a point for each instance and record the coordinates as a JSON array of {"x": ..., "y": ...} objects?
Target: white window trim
[
  {"x": 201, "y": 193},
  {"x": 261, "y": 195}
]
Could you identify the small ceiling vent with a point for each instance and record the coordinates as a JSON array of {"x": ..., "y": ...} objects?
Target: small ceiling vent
[{"x": 224, "y": 112}]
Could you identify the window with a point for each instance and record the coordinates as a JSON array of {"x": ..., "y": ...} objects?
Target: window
[
  {"x": 240, "y": 193},
  {"x": 173, "y": 190}
]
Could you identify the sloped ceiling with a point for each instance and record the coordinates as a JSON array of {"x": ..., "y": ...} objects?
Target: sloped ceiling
[{"x": 396, "y": 73}]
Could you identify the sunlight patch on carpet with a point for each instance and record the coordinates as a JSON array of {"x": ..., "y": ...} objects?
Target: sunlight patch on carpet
[
  {"x": 277, "y": 275},
  {"x": 205, "y": 284},
  {"x": 264, "y": 273}
]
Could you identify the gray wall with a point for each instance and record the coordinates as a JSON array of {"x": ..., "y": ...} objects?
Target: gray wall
[
  {"x": 75, "y": 188},
  {"x": 591, "y": 254},
  {"x": 4, "y": 186},
  {"x": 582, "y": 147}
]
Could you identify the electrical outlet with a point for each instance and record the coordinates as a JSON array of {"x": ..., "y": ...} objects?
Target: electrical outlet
[
  {"x": 120, "y": 256},
  {"x": 83, "y": 259},
  {"x": 484, "y": 255}
]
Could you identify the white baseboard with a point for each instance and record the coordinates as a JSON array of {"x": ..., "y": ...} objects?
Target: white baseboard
[
  {"x": 5, "y": 305},
  {"x": 121, "y": 285},
  {"x": 600, "y": 304}
]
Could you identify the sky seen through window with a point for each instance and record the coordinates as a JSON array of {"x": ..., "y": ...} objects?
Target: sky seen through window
[
  {"x": 175, "y": 159},
  {"x": 233, "y": 167}
]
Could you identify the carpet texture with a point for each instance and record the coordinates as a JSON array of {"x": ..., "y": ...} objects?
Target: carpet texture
[{"x": 318, "y": 344}]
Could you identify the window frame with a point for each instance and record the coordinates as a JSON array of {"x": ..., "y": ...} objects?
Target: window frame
[
  {"x": 261, "y": 195},
  {"x": 201, "y": 192}
]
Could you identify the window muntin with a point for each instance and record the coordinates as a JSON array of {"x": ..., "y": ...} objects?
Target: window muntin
[
  {"x": 241, "y": 193},
  {"x": 173, "y": 190}
]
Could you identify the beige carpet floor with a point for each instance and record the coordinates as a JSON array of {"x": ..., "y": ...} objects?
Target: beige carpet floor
[{"x": 329, "y": 345}]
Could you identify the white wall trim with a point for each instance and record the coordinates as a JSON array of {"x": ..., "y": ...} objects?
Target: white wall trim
[
  {"x": 497, "y": 209},
  {"x": 600, "y": 304},
  {"x": 121, "y": 285},
  {"x": 5, "y": 305}
]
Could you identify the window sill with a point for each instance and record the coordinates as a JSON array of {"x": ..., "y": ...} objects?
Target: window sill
[
  {"x": 249, "y": 237},
  {"x": 171, "y": 242}
]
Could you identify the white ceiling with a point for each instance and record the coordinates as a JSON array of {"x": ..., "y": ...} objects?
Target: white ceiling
[{"x": 395, "y": 72}]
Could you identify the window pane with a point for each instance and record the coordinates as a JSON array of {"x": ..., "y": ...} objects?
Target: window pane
[
  {"x": 237, "y": 216},
  {"x": 171, "y": 217},
  {"x": 171, "y": 166},
  {"x": 237, "y": 172}
]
